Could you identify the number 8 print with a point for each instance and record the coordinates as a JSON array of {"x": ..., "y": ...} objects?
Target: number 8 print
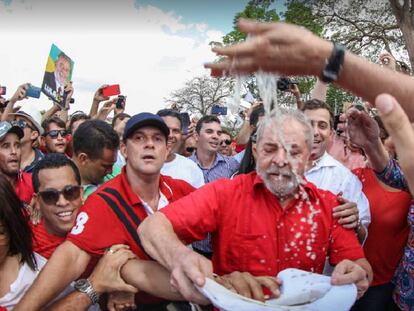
[{"x": 80, "y": 223}]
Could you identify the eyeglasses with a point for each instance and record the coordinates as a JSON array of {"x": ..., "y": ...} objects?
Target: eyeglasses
[
  {"x": 22, "y": 124},
  {"x": 51, "y": 196},
  {"x": 226, "y": 141},
  {"x": 190, "y": 149},
  {"x": 55, "y": 133}
]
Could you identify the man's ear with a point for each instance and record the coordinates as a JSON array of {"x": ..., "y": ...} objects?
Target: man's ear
[
  {"x": 35, "y": 202},
  {"x": 254, "y": 150},
  {"x": 42, "y": 140},
  {"x": 34, "y": 135},
  {"x": 82, "y": 158},
  {"x": 123, "y": 149}
]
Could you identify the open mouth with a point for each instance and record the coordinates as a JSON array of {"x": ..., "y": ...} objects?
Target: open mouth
[
  {"x": 65, "y": 215},
  {"x": 148, "y": 157}
]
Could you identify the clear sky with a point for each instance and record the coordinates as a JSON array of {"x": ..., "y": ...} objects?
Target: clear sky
[{"x": 149, "y": 47}]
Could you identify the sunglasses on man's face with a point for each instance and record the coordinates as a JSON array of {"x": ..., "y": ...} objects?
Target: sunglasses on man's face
[
  {"x": 51, "y": 196},
  {"x": 226, "y": 141},
  {"x": 190, "y": 149},
  {"x": 22, "y": 124},
  {"x": 55, "y": 133}
]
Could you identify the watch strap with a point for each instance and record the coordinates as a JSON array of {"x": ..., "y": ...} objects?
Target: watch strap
[
  {"x": 85, "y": 286},
  {"x": 334, "y": 64}
]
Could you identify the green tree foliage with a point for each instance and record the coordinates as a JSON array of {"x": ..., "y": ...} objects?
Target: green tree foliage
[
  {"x": 255, "y": 9},
  {"x": 300, "y": 14}
]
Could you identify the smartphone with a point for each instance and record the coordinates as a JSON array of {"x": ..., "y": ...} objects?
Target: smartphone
[
  {"x": 3, "y": 90},
  {"x": 120, "y": 104},
  {"x": 218, "y": 110},
  {"x": 111, "y": 90},
  {"x": 33, "y": 91},
  {"x": 185, "y": 122}
]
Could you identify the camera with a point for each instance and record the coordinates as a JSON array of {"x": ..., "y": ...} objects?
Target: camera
[{"x": 283, "y": 84}]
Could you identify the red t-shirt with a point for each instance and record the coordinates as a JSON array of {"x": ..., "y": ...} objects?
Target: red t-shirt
[
  {"x": 24, "y": 187},
  {"x": 252, "y": 232},
  {"x": 44, "y": 243},
  {"x": 388, "y": 231},
  {"x": 98, "y": 227}
]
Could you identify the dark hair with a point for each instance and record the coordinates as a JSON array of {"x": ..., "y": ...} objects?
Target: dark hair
[
  {"x": 121, "y": 116},
  {"x": 206, "y": 119},
  {"x": 53, "y": 160},
  {"x": 224, "y": 131},
  {"x": 92, "y": 136},
  {"x": 170, "y": 113},
  {"x": 314, "y": 104},
  {"x": 76, "y": 116},
  {"x": 67, "y": 58},
  {"x": 256, "y": 114},
  {"x": 16, "y": 224},
  {"x": 248, "y": 164},
  {"x": 54, "y": 119}
]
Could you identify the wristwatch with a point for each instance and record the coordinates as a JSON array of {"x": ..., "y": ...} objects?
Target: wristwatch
[
  {"x": 334, "y": 64},
  {"x": 84, "y": 286}
]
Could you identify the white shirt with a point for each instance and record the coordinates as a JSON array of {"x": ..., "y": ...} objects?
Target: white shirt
[
  {"x": 120, "y": 160},
  {"x": 185, "y": 169},
  {"x": 329, "y": 174},
  {"x": 163, "y": 202},
  {"x": 24, "y": 280}
]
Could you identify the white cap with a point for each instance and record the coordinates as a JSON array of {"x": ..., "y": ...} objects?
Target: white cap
[
  {"x": 32, "y": 114},
  {"x": 300, "y": 290}
]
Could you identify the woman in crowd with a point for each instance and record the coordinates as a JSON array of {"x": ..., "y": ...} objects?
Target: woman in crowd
[
  {"x": 387, "y": 237},
  {"x": 19, "y": 266}
]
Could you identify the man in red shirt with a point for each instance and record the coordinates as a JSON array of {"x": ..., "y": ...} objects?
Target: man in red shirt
[
  {"x": 261, "y": 222},
  {"x": 10, "y": 136},
  {"x": 113, "y": 212},
  {"x": 58, "y": 195}
]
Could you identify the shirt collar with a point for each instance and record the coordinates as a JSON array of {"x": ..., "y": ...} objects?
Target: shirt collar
[
  {"x": 164, "y": 188},
  {"x": 219, "y": 158},
  {"x": 324, "y": 161},
  {"x": 310, "y": 188}
]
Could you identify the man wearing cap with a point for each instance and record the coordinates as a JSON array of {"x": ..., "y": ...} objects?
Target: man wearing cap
[
  {"x": 113, "y": 212},
  {"x": 10, "y": 136},
  {"x": 29, "y": 119}
]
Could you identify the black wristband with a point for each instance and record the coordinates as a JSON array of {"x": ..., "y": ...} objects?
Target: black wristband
[{"x": 334, "y": 64}]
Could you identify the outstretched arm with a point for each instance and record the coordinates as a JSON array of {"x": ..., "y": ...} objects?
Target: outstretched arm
[{"x": 291, "y": 50}]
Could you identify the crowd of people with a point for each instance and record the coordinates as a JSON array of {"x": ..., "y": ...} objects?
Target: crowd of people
[{"x": 137, "y": 212}]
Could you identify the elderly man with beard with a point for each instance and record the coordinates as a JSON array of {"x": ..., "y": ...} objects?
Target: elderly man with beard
[{"x": 261, "y": 223}]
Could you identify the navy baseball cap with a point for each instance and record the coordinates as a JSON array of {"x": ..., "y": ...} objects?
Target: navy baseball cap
[
  {"x": 145, "y": 119},
  {"x": 7, "y": 127}
]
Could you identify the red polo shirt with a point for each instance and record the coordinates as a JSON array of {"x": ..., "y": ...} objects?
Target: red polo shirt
[
  {"x": 252, "y": 232},
  {"x": 98, "y": 227},
  {"x": 24, "y": 187}
]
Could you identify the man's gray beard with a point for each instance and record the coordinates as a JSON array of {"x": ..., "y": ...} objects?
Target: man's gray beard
[{"x": 284, "y": 193}]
